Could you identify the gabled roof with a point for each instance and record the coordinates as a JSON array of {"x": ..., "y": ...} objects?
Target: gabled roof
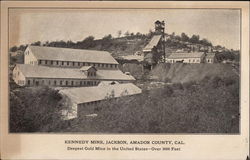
[
  {"x": 76, "y": 55},
  {"x": 176, "y": 55},
  {"x": 37, "y": 71},
  {"x": 153, "y": 42},
  {"x": 210, "y": 55},
  {"x": 89, "y": 94}
]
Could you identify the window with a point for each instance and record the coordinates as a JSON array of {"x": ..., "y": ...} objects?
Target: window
[
  {"x": 51, "y": 62},
  {"x": 66, "y": 83},
  {"x": 102, "y": 65},
  {"x": 60, "y": 82},
  {"x": 39, "y": 62},
  {"x": 78, "y": 63},
  {"x": 107, "y": 65},
  {"x": 56, "y": 62},
  {"x": 42, "y": 82},
  {"x": 28, "y": 82},
  {"x": 67, "y": 63},
  {"x": 80, "y": 83},
  {"x": 72, "y": 83},
  {"x": 73, "y": 63},
  {"x": 62, "y": 63},
  {"x": 49, "y": 82},
  {"x": 55, "y": 82},
  {"x": 45, "y": 61}
]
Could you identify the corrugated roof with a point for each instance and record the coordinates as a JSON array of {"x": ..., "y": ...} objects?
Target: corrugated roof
[
  {"x": 55, "y": 72},
  {"x": 153, "y": 42},
  {"x": 185, "y": 55},
  {"x": 67, "y": 54},
  {"x": 90, "y": 94}
]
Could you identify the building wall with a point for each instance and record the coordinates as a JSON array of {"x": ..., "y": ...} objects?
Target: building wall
[
  {"x": 57, "y": 82},
  {"x": 76, "y": 64},
  {"x": 185, "y": 60},
  {"x": 29, "y": 58},
  {"x": 210, "y": 60},
  {"x": 18, "y": 77},
  {"x": 60, "y": 82}
]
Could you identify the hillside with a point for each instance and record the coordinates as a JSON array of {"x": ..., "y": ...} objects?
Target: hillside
[{"x": 181, "y": 73}]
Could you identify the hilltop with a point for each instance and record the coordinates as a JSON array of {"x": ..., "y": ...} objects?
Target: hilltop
[{"x": 130, "y": 44}]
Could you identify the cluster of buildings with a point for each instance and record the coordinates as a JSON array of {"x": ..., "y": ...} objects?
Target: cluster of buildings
[
  {"x": 91, "y": 74},
  {"x": 66, "y": 67},
  {"x": 196, "y": 54},
  {"x": 84, "y": 77}
]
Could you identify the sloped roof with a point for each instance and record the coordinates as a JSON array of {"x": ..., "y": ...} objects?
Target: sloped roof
[
  {"x": 176, "y": 55},
  {"x": 90, "y": 94},
  {"x": 67, "y": 54},
  {"x": 210, "y": 55},
  {"x": 29, "y": 70},
  {"x": 133, "y": 57},
  {"x": 113, "y": 75},
  {"x": 153, "y": 42},
  {"x": 37, "y": 71}
]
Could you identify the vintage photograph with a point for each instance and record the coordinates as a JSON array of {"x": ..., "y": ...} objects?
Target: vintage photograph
[{"x": 103, "y": 71}]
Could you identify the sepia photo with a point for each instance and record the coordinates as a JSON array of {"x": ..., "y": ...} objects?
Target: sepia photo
[{"x": 106, "y": 71}]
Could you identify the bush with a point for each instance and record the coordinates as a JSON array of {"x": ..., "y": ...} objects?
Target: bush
[{"x": 34, "y": 109}]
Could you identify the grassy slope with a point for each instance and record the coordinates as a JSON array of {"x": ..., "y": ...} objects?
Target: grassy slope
[
  {"x": 211, "y": 106},
  {"x": 191, "y": 72}
]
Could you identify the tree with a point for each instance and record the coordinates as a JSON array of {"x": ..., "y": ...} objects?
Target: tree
[
  {"x": 107, "y": 37},
  {"x": 195, "y": 39},
  {"x": 205, "y": 42},
  {"x": 13, "y": 49},
  {"x": 127, "y": 34},
  {"x": 177, "y": 37},
  {"x": 184, "y": 37},
  {"x": 88, "y": 42},
  {"x": 38, "y": 43},
  {"x": 119, "y": 33},
  {"x": 22, "y": 47},
  {"x": 34, "y": 110}
]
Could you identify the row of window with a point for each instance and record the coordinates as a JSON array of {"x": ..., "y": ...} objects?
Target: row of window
[
  {"x": 21, "y": 82},
  {"x": 33, "y": 62},
  {"x": 209, "y": 60},
  {"x": 89, "y": 103},
  {"x": 91, "y": 74},
  {"x": 76, "y": 64},
  {"x": 61, "y": 83},
  {"x": 190, "y": 61}
]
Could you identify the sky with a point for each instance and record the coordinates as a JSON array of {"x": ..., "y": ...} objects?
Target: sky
[{"x": 220, "y": 26}]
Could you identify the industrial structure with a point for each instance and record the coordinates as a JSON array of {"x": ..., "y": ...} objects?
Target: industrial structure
[
  {"x": 67, "y": 67},
  {"x": 154, "y": 51},
  {"x": 82, "y": 99}
]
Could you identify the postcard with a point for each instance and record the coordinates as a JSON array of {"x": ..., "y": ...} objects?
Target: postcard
[{"x": 124, "y": 80}]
